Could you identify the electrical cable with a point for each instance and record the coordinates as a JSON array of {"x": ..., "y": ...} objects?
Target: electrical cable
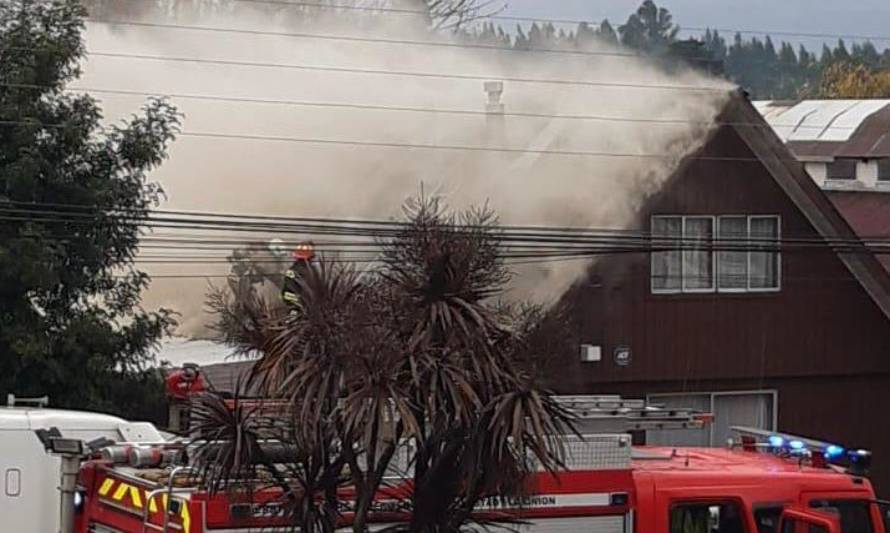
[
  {"x": 409, "y": 109},
  {"x": 361, "y": 39},
  {"x": 382, "y": 9},
  {"x": 80, "y": 210},
  {"x": 438, "y": 147},
  {"x": 573, "y": 244},
  {"x": 403, "y": 73}
]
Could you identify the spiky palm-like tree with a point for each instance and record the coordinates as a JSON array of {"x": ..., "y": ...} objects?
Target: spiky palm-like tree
[{"x": 412, "y": 369}]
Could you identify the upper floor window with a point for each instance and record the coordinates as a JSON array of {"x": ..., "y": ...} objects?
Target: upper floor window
[
  {"x": 707, "y": 253},
  {"x": 842, "y": 169},
  {"x": 884, "y": 169}
]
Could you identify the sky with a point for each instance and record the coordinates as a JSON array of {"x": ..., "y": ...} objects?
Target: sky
[{"x": 857, "y": 17}]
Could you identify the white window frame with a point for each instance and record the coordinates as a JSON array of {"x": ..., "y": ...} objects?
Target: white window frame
[
  {"x": 715, "y": 257},
  {"x": 778, "y": 253},
  {"x": 712, "y": 395},
  {"x": 736, "y": 290},
  {"x": 713, "y": 286},
  {"x": 678, "y": 290}
]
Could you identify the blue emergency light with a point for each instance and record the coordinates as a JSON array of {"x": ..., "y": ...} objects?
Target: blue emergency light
[
  {"x": 797, "y": 445},
  {"x": 857, "y": 461},
  {"x": 833, "y": 452}
]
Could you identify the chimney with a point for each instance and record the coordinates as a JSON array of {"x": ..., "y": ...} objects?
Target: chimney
[
  {"x": 494, "y": 112},
  {"x": 493, "y": 106}
]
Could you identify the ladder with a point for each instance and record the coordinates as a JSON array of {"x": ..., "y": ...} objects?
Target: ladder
[{"x": 614, "y": 414}]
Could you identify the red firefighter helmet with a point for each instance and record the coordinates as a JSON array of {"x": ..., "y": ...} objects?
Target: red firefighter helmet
[
  {"x": 305, "y": 251},
  {"x": 184, "y": 382}
]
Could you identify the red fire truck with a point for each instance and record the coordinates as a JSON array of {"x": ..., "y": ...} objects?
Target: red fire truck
[{"x": 759, "y": 483}]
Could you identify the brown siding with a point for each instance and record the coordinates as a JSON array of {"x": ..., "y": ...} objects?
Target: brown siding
[
  {"x": 845, "y": 410},
  {"x": 822, "y": 325},
  {"x": 821, "y": 322}
]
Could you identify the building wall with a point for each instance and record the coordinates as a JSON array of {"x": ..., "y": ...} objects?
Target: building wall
[
  {"x": 818, "y": 171},
  {"x": 817, "y": 341},
  {"x": 840, "y": 409}
]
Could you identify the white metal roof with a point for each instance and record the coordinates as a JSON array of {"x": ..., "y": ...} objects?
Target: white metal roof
[
  {"x": 180, "y": 350},
  {"x": 818, "y": 120}
]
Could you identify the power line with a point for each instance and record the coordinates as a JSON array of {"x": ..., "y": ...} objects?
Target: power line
[
  {"x": 437, "y": 147},
  {"x": 360, "y": 39},
  {"x": 430, "y": 110},
  {"x": 518, "y": 234},
  {"x": 402, "y": 73},
  {"x": 382, "y": 9},
  {"x": 516, "y": 18}
]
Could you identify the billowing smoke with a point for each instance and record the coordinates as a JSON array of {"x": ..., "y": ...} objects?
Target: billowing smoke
[{"x": 291, "y": 178}]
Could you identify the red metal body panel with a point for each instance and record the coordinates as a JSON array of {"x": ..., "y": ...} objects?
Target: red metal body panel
[{"x": 117, "y": 499}]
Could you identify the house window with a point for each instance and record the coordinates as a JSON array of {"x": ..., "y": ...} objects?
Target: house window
[
  {"x": 698, "y": 258},
  {"x": 667, "y": 264},
  {"x": 884, "y": 169},
  {"x": 732, "y": 255},
  {"x": 727, "y": 253},
  {"x": 842, "y": 169},
  {"x": 763, "y": 258}
]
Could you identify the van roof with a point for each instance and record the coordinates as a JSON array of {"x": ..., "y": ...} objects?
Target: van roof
[
  {"x": 38, "y": 418},
  {"x": 78, "y": 424}
]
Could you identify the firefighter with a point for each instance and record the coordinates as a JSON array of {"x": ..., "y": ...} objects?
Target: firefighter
[{"x": 303, "y": 256}]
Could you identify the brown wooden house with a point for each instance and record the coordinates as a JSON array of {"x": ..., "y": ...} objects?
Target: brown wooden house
[{"x": 792, "y": 340}]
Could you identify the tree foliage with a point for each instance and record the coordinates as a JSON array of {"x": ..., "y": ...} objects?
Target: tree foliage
[
  {"x": 436, "y": 14},
  {"x": 850, "y": 80},
  {"x": 74, "y": 193},
  {"x": 762, "y": 67},
  {"x": 650, "y": 29},
  {"x": 414, "y": 369}
]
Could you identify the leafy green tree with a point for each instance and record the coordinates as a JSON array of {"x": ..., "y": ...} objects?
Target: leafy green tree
[
  {"x": 850, "y": 80},
  {"x": 73, "y": 195}
]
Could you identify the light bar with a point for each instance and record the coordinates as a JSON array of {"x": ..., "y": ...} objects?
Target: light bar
[
  {"x": 776, "y": 441},
  {"x": 64, "y": 446},
  {"x": 833, "y": 452},
  {"x": 821, "y": 452}
]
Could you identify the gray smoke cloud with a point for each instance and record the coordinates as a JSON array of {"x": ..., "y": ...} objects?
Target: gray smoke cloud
[{"x": 329, "y": 180}]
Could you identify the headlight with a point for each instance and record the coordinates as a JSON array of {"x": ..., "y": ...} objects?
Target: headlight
[{"x": 80, "y": 499}]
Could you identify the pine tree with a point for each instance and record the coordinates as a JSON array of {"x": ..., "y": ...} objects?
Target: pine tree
[
  {"x": 607, "y": 33},
  {"x": 650, "y": 29}
]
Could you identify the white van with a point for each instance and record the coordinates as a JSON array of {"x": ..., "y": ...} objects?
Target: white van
[{"x": 29, "y": 475}]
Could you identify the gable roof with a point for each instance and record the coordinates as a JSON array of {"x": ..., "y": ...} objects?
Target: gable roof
[
  {"x": 790, "y": 175},
  {"x": 867, "y": 212},
  {"x": 831, "y": 128}
]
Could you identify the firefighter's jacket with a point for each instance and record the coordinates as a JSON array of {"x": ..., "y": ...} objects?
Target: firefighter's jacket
[{"x": 291, "y": 290}]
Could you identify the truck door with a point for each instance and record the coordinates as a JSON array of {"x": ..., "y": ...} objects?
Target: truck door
[
  {"x": 854, "y": 510},
  {"x": 29, "y": 480}
]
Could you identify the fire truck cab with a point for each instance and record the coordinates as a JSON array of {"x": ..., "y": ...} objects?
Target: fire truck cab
[{"x": 735, "y": 490}]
